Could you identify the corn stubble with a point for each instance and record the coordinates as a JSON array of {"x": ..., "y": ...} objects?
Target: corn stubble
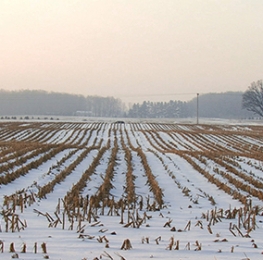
[{"x": 78, "y": 212}]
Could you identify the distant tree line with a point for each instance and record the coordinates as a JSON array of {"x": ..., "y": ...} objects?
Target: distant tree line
[
  {"x": 171, "y": 109},
  {"x": 37, "y": 102},
  {"x": 212, "y": 105}
]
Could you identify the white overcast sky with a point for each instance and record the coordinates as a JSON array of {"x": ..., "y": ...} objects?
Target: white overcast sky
[{"x": 132, "y": 49}]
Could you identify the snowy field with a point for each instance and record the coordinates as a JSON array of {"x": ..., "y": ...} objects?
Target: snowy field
[{"x": 133, "y": 190}]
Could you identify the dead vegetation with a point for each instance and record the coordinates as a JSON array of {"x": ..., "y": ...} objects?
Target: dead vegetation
[{"x": 24, "y": 149}]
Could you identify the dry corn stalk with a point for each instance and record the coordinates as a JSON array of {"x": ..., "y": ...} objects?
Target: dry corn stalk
[
  {"x": 101, "y": 239},
  {"x": 145, "y": 239},
  {"x": 188, "y": 246},
  {"x": 198, "y": 246},
  {"x": 168, "y": 223},
  {"x": 122, "y": 258},
  {"x": 157, "y": 240},
  {"x": 126, "y": 245},
  {"x": 44, "y": 248},
  {"x": 188, "y": 226},
  {"x": 15, "y": 255},
  {"x": 170, "y": 246},
  {"x": 209, "y": 229},
  {"x": 106, "y": 255},
  {"x": 23, "y": 248},
  {"x": 199, "y": 223},
  {"x": 1, "y": 246},
  {"x": 35, "y": 247},
  {"x": 177, "y": 245},
  {"x": 12, "y": 248}
]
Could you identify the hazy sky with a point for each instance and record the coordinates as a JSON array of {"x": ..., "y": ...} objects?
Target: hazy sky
[{"x": 147, "y": 49}]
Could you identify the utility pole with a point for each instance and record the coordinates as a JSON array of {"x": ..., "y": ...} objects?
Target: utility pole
[{"x": 197, "y": 108}]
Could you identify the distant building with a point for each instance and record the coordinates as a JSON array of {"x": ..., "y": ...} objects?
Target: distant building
[{"x": 84, "y": 113}]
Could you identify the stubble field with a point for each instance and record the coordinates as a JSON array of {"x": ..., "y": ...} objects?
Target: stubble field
[{"x": 103, "y": 190}]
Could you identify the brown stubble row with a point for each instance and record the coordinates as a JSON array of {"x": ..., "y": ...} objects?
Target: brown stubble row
[
  {"x": 104, "y": 190},
  {"x": 219, "y": 157},
  {"x": 47, "y": 151},
  {"x": 130, "y": 178},
  {"x": 75, "y": 192},
  {"x": 47, "y": 188},
  {"x": 151, "y": 179},
  {"x": 24, "y": 249},
  {"x": 22, "y": 153}
]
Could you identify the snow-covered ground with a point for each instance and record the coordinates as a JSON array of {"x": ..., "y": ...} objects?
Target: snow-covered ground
[{"x": 193, "y": 221}]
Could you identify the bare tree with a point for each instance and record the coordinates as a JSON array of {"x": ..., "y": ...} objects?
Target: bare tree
[{"x": 253, "y": 98}]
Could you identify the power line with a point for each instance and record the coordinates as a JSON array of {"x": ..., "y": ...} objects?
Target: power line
[
  {"x": 181, "y": 94},
  {"x": 152, "y": 95}
]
